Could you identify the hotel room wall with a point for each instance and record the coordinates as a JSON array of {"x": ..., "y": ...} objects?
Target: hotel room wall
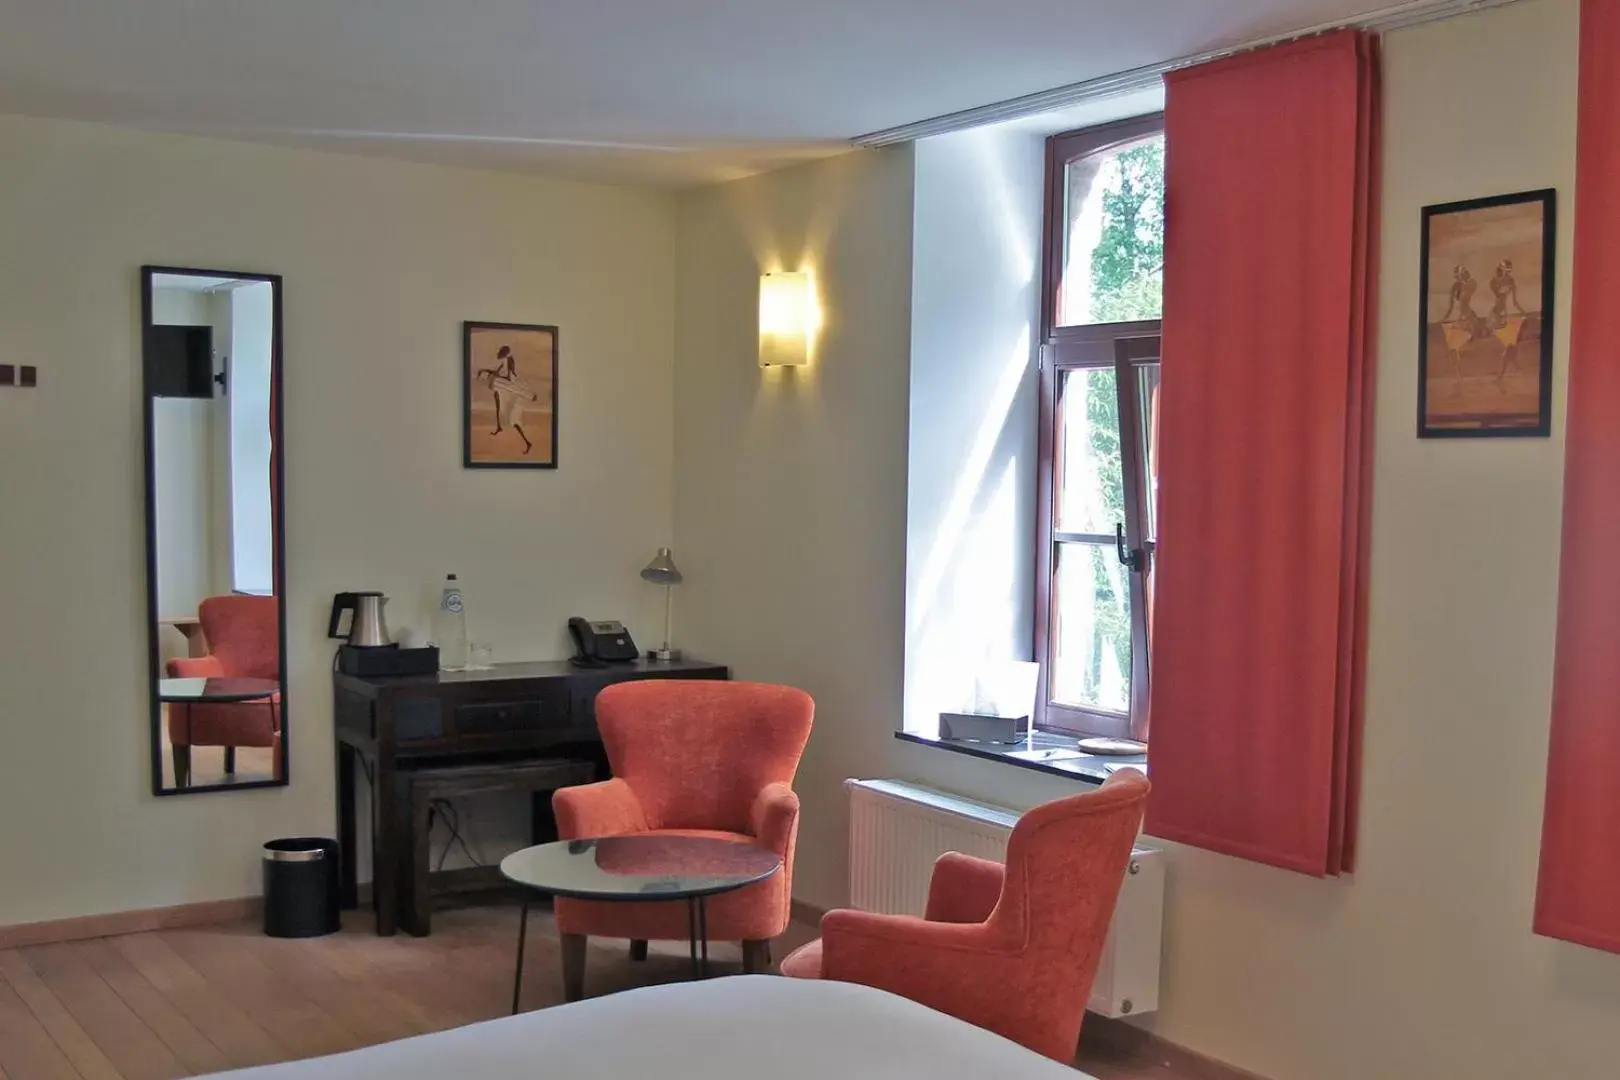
[
  {"x": 221, "y": 538},
  {"x": 790, "y": 513},
  {"x": 180, "y": 307},
  {"x": 382, "y": 262},
  {"x": 184, "y": 442},
  {"x": 791, "y": 501},
  {"x": 970, "y": 497},
  {"x": 182, "y": 430}
]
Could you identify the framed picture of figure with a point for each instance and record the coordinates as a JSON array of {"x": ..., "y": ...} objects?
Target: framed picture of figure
[
  {"x": 509, "y": 396},
  {"x": 1485, "y": 355}
]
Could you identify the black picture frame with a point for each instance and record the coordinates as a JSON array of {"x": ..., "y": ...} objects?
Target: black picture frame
[
  {"x": 1486, "y": 331},
  {"x": 475, "y": 447},
  {"x": 278, "y": 517}
]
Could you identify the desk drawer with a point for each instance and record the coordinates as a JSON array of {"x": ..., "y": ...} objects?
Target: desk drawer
[{"x": 486, "y": 718}]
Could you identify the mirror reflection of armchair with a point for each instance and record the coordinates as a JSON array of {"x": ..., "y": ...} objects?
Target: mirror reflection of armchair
[{"x": 244, "y": 635}]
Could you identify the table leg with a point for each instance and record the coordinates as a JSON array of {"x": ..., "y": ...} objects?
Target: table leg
[
  {"x": 348, "y": 827},
  {"x": 692, "y": 932},
  {"x": 523, "y": 933},
  {"x": 385, "y": 854},
  {"x": 182, "y": 755},
  {"x": 414, "y": 889},
  {"x": 703, "y": 934}
]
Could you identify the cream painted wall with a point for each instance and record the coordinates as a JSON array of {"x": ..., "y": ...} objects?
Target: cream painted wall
[
  {"x": 790, "y": 508},
  {"x": 182, "y": 449},
  {"x": 974, "y": 413},
  {"x": 179, "y": 307},
  {"x": 382, "y": 262},
  {"x": 790, "y": 513}
]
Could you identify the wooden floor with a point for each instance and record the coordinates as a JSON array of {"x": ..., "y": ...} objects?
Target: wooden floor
[{"x": 184, "y": 1002}]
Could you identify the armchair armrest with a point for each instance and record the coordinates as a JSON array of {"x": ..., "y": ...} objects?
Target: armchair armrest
[
  {"x": 196, "y": 667},
  {"x": 964, "y": 970},
  {"x": 774, "y": 818},
  {"x": 608, "y": 808},
  {"x": 964, "y": 889}
]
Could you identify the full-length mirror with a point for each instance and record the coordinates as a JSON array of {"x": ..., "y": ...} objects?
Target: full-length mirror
[{"x": 211, "y": 358}]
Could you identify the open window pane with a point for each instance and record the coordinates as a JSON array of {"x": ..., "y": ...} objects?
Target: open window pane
[
  {"x": 1091, "y": 484},
  {"x": 1091, "y": 640},
  {"x": 1112, "y": 266},
  {"x": 1147, "y": 382}
]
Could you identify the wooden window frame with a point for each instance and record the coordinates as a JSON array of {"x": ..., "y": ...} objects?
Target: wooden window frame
[{"x": 1126, "y": 348}]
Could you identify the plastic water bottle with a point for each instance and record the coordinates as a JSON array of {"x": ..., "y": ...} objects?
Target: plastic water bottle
[{"x": 450, "y": 627}]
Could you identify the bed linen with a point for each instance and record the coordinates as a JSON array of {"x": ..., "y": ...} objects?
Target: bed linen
[{"x": 750, "y": 1026}]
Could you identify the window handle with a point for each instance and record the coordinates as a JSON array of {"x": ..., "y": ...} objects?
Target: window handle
[{"x": 1132, "y": 559}]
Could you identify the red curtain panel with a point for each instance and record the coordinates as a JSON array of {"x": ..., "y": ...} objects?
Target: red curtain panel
[
  {"x": 1578, "y": 898},
  {"x": 1263, "y": 457}
]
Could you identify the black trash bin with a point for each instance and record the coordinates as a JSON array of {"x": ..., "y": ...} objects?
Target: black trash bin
[{"x": 301, "y": 887}]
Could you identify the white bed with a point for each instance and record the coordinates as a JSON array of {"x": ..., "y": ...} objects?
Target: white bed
[{"x": 751, "y": 1027}]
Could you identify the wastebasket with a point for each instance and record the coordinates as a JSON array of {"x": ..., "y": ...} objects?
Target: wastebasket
[{"x": 301, "y": 887}]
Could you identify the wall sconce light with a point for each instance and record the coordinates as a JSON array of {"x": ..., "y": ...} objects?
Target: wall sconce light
[{"x": 786, "y": 318}]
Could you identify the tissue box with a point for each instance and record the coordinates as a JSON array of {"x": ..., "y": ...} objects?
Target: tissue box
[{"x": 976, "y": 727}]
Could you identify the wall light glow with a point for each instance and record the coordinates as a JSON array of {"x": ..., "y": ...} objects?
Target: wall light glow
[{"x": 787, "y": 318}]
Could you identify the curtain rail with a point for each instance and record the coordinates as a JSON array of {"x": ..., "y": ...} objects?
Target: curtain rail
[{"x": 1397, "y": 17}]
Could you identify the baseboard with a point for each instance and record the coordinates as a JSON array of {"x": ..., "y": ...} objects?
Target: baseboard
[
  {"x": 1143, "y": 1048},
  {"x": 128, "y": 922}
]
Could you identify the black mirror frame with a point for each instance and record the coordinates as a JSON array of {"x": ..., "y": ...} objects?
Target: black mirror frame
[{"x": 279, "y": 517}]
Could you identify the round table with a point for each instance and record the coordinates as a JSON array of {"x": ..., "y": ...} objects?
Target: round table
[
  {"x": 216, "y": 690},
  {"x": 628, "y": 869}
]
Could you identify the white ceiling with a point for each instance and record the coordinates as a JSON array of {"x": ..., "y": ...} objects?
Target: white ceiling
[{"x": 661, "y": 91}]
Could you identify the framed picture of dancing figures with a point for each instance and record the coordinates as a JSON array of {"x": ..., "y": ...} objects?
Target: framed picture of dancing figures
[
  {"x": 509, "y": 396},
  {"x": 1485, "y": 355}
]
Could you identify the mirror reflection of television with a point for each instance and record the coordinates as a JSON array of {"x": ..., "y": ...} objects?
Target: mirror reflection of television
[{"x": 181, "y": 360}]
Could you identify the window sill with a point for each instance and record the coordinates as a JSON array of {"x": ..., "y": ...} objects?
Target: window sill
[{"x": 1088, "y": 767}]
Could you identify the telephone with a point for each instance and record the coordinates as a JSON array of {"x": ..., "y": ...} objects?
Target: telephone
[{"x": 601, "y": 642}]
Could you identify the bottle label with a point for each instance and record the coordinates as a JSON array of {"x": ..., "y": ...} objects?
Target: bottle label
[{"x": 452, "y": 603}]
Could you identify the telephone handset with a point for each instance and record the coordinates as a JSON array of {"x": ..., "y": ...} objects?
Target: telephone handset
[{"x": 598, "y": 643}]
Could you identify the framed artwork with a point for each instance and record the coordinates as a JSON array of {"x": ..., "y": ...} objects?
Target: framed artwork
[
  {"x": 1485, "y": 355},
  {"x": 509, "y": 396}
]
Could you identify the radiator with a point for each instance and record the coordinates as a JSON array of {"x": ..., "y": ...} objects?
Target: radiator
[{"x": 897, "y": 830}]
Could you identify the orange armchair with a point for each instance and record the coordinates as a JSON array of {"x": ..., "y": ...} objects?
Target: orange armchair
[
  {"x": 244, "y": 635},
  {"x": 693, "y": 758},
  {"x": 1010, "y": 948}
]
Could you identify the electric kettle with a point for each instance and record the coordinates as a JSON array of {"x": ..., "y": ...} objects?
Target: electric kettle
[{"x": 367, "y": 629}]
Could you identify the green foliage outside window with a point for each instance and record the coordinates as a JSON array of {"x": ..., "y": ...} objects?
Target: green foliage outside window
[{"x": 1127, "y": 281}]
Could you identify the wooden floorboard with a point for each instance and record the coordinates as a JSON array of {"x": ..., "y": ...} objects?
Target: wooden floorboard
[
  {"x": 185, "y": 1041},
  {"x": 230, "y": 1029},
  {"x": 80, "y": 1049},
  {"x": 133, "y": 1049},
  {"x": 27, "y": 1051},
  {"x": 296, "y": 1023},
  {"x": 185, "y": 1001}
]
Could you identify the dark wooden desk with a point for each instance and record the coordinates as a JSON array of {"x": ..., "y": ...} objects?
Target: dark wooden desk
[{"x": 513, "y": 712}]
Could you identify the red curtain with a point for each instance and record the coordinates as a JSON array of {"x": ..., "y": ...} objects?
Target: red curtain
[
  {"x": 1266, "y": 410},
  {"x": 1578, "y": 898}
]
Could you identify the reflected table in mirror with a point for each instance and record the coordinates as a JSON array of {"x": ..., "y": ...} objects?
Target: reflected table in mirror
[
  {"x": 635, "y": 868},
  {"x": 187, "y": 693}
]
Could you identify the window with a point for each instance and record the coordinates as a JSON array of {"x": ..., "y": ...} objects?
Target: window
[{"x": 1103, "y": 276}]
